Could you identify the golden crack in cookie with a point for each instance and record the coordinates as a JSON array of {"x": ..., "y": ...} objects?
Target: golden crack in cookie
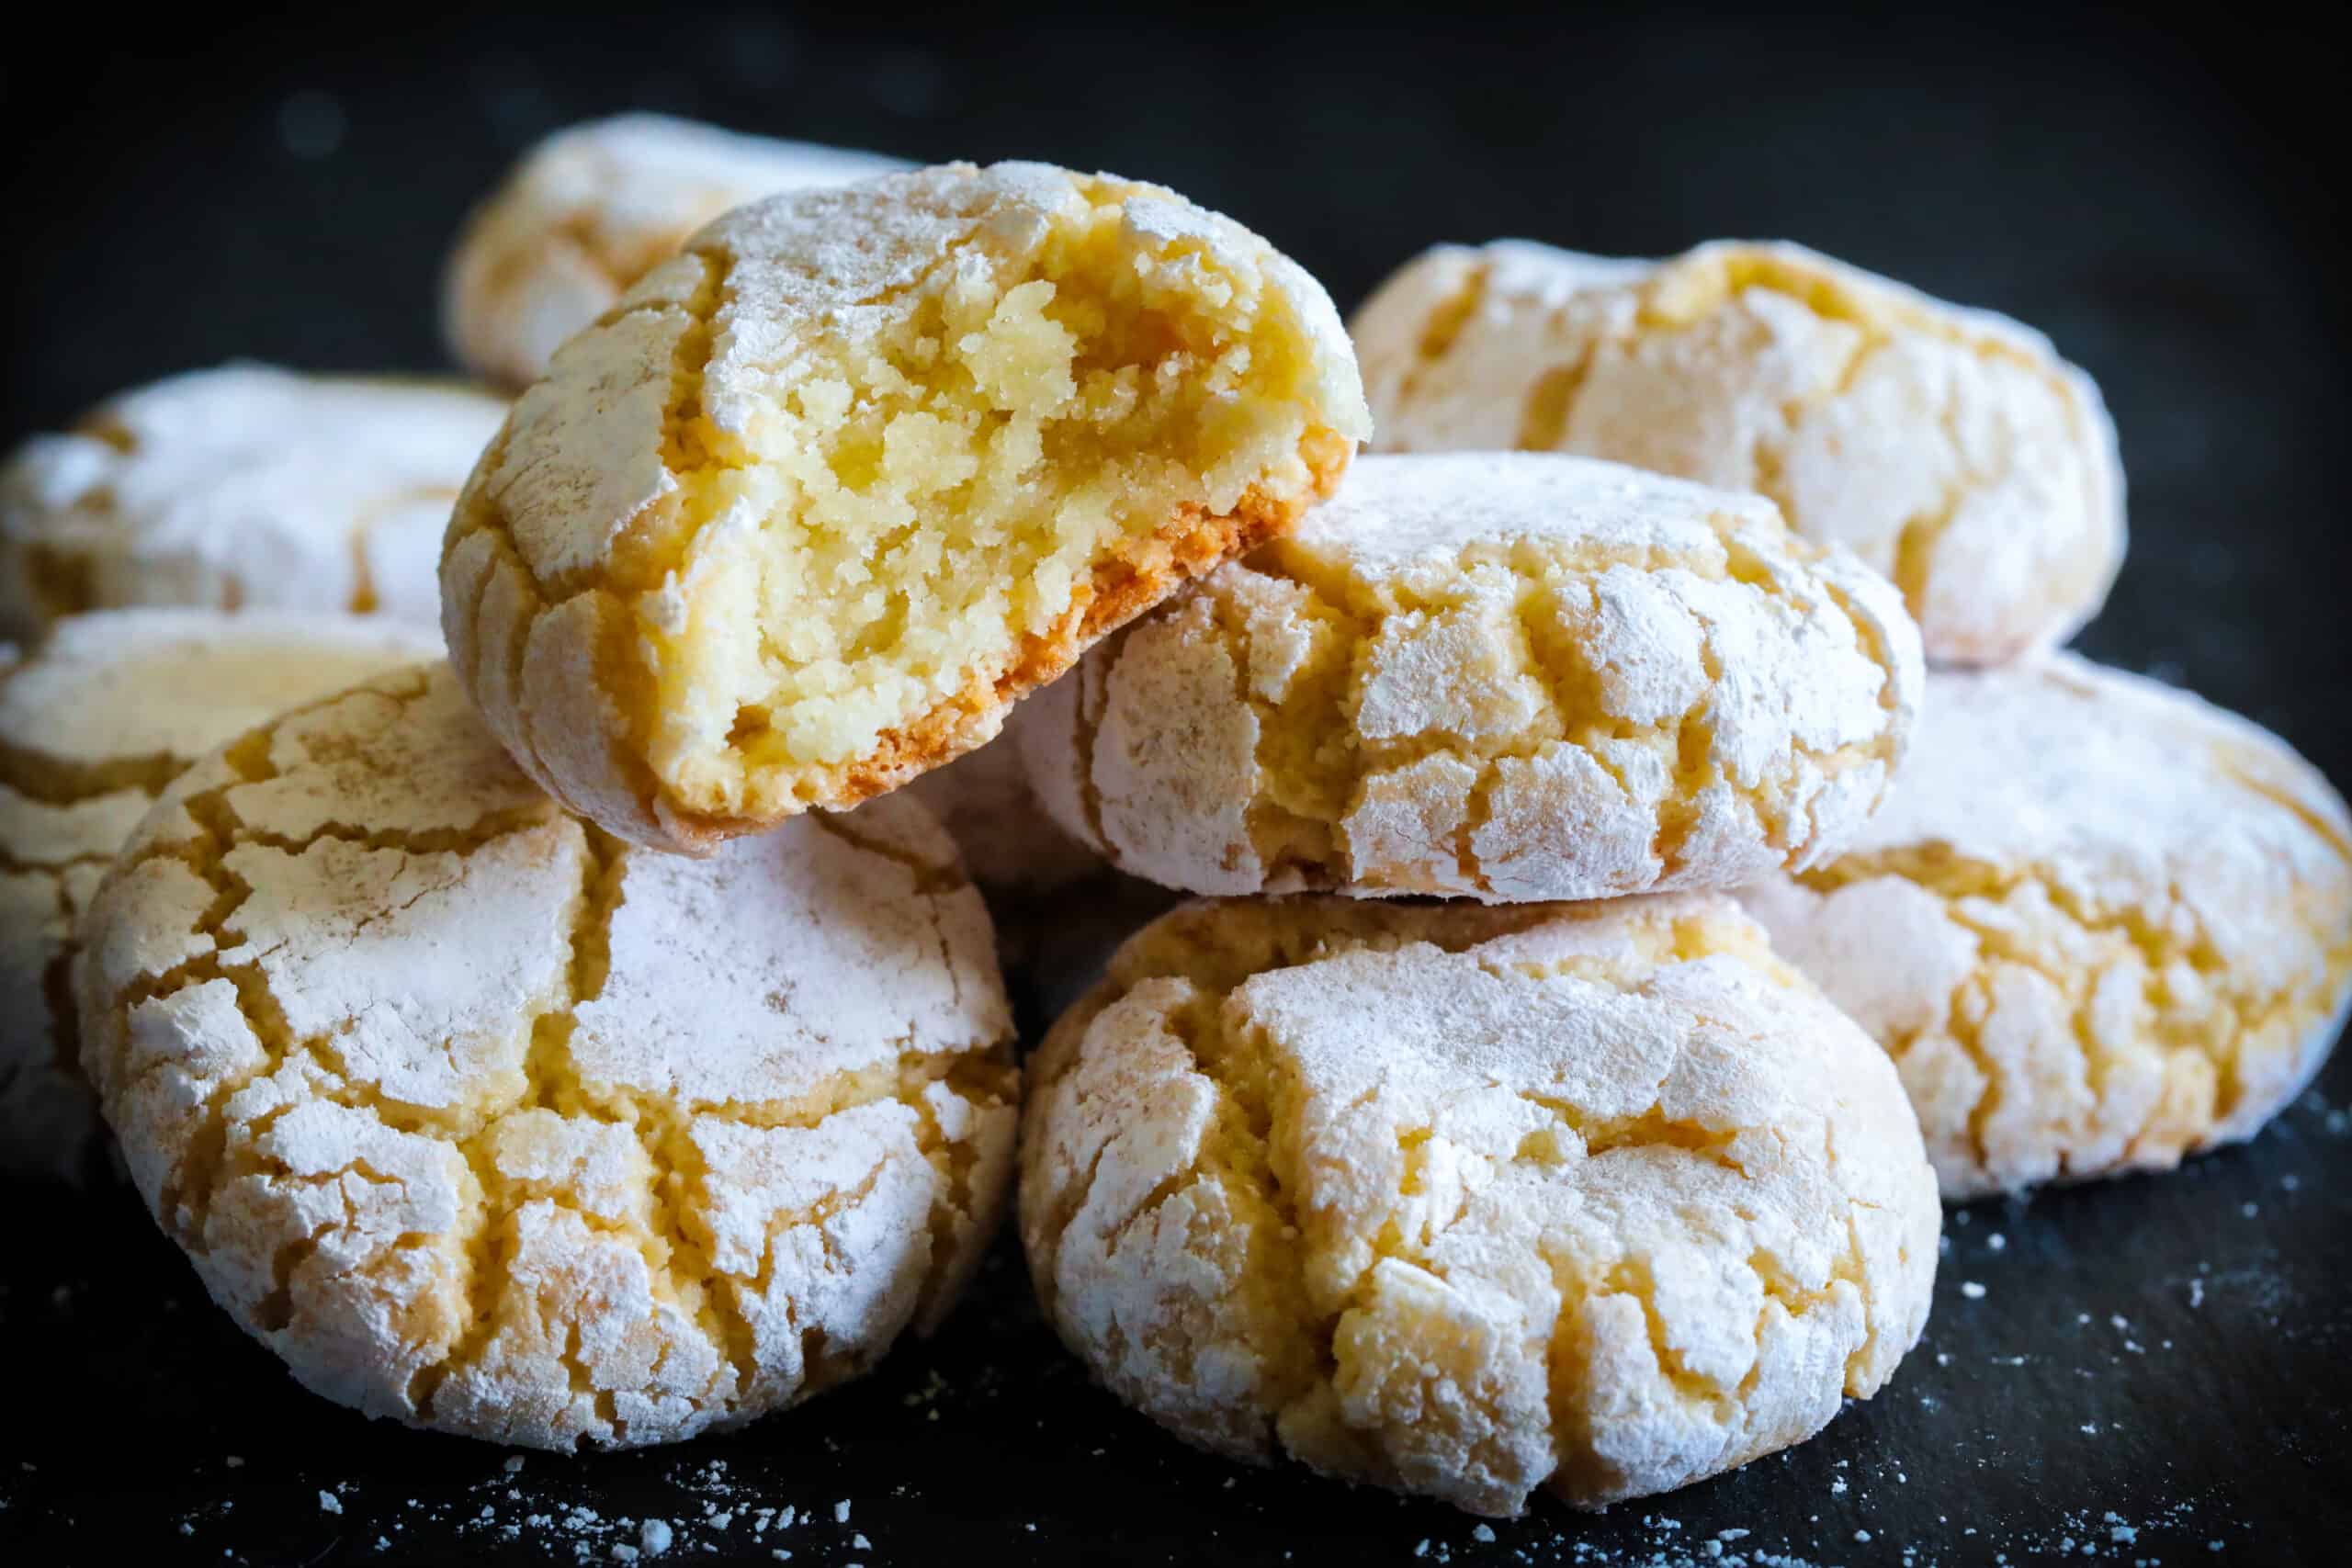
[
  {"x": 800, "y": 517},
  {"x": 1505, "y": 677},
  {"x": 104, "y": 713},
  {"x": 1466, "y": 1201},
  {"x": 242, "y": 488},
  {"x": 2099, "y": 924},
  {"x": 591, "y": 208},
  {"x": 486, "y": 1122},
  {"x": 1950, "y": 448}
]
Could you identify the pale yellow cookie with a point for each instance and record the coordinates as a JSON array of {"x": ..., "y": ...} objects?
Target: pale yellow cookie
[
  {"x": 1466, "y": 1201},
  {"x": 1503, "y": 676},
  {"x": 1950, "y": 448},
  {"x": 591, "y": 208},
  {"x": 484, "y": 1122},
  {"x": 242, "y": 488},
  {"x": 801, "y": 516},
  {"x": 93, "y": 722},
  {"x": 2100, "y": 925}
]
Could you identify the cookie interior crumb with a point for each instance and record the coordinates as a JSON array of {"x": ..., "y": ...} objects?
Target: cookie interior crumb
[{"x": 917, "y": 507}]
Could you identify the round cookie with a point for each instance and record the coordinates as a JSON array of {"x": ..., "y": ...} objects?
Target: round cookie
[
  {"x": 2100, "y": 924},
  {"x": 1950, "y": 448},
  {"x": 1467, "y": 1202},
  {"x": 1505, "y": 677},
  {"x": 800, "y": 517},
  {"x": 242, "y": 488},
  {"x": 93, "y": 722},
  {"x": 591, "y": 208},
  {"x": 484, "y": 1122}
]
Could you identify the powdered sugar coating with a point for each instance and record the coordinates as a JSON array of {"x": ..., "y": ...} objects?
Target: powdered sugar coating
[
  {"x": 105, "y": 712},
  {"x": 1950, "y": 448},
  {"x": 242, "y": 488},
  {"x": 2099, "y": 924},
  {"x": 591, "y": 208},
  {"x": 1506, "y": 677},
  {"x": 606, "y": 557},
  {"x": 1468, "y": 1201},
  {"x": 482, "y": 1121}
]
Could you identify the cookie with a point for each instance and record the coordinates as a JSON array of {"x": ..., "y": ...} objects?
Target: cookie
[
  {"x": 93, "y": 722},
  {"x": 1501, "y": 676},
  {"x": 2100, "y": 925},
  {"x": 486, "y": 1122},
  {"x": 594, "y": 207},
  {"x": 1466, "y": 1201},
  {"x": 1012, "y": 847},
  {"x": 800, "y": 517},
  {"x": 242, "y": 488},
  {"x": 1950, "y": 448}
]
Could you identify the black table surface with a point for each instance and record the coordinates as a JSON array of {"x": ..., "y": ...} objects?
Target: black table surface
[{"x": 2145, "y": 1370}]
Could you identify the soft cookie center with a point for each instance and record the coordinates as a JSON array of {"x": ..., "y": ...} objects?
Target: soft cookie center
[{"x": 922, "y": 506}]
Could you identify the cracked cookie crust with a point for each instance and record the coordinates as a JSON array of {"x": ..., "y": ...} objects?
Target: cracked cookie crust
[
  {"x": 485, "y": 1122},
  {"x": 1466, "y": 1201},
  {"x": 93, "y": 722},
  {"x": 806, "y": 510},
  {"x": 242, "y": 488},
  {"x": 1950, "y": 448},
  {"x": 1505, "y": 677},
  {"x": 594, "y": 207},
  {"x": 2100, "y": 925}
]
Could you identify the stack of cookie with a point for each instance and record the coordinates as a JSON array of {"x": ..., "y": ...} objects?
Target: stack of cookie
[
  {"x": 2100, "y": 924},
  {"x": 197, "y": 554},
  {"x": 538, "y": 1045}
]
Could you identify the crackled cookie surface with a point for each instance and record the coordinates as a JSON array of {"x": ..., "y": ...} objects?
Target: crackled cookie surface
[
  {"x": 591, "y": 209},
  {"x": 1467, "y": 1202},
  {"x": 799, "y": 517},
  {"x": 2099, "y": 924},
  {"x": 242, "y": 488},
  {"x": 1497, "y": 676},
  {"x": 93, "y": 722},
  {"x": 483, "y": 1120},
  {"x": 1950, "y": 448}
]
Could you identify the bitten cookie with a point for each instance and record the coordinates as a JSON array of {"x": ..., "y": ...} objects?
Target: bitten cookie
[
  {"x": 801, "y": 516},
  {"x": 1501, "y": 676},
  {"x": 594, "y": 207},
  {"x": 1468, "y": 1201},
  {"x": 94, "y": 723},
  {"x": 483, "y": 1122},
  {"x": 2100, "y": 924},
  {"x": 238, "y": 489},
  {"x": 1950, "y": 448}
]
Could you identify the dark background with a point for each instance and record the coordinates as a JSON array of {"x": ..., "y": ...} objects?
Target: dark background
[{"x": 2156, "y": 1368}]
